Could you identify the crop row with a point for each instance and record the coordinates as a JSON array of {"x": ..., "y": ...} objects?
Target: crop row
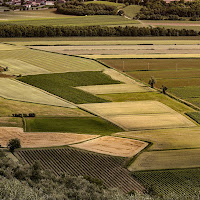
[{"x": 81, "y": 163}]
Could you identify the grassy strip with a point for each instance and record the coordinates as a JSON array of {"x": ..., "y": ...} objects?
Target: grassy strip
[
  {"x": 195, "y": 116},
  {"x": 165, "y": 182},
  {"x": 89, "y": 125},
  {"x": 10, "y": 122},
  {"x": 61, "y": 85}
]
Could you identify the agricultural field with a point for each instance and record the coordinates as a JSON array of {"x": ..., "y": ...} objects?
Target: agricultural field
[
  {"x": 118, "y": 5},
  {"x": 168, "y": 159},
  {"x": 110, "y": 145},
  {"x": 9, "y": 107},
  {"x": 41, "y": 139},
  {"x": 10, "y": 122},
  {"x": 15, "y": 90},
  {"x": 84, "y": 125},
  {"x": 139, "y": 115},
  {"x": 131, "y": 10},
  {"x": 44, "y": 62},
  {"x": 75, "y": 162},
  {"x": 180, "y": 76},
  {"x": 62, "y": 85},
  {"x": 166, "y": 139},
  {"x": 165, "y": 182},
  {"x": 195, "y": 116}
]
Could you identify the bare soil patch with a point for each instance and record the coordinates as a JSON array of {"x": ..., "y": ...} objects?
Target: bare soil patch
[
  {"x": 113, "y": 146},
  {"x": 33, "y": 140}
]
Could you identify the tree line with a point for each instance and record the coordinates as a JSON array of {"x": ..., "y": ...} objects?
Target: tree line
[
  {"x": 81, "y": 9},
  {"x": 12, "y": 30},
  {"x": 175, "y": 10}
]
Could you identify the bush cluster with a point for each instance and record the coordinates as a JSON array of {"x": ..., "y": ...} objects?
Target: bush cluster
[
  {"x": 23, "y": 115},
  {"x": 67, "y": 31},
  {"x": 81, "y": 9}
]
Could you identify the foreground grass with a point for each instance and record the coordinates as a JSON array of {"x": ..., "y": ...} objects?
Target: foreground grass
[
  {"x": 165, "y": 182},
  {"x": 89, "y": 125},
  {"x": 62, "y": 85},
  {"x": 141, "y": 96}
]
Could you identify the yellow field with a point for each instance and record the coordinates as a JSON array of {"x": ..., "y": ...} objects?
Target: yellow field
[
  {"x": 171, "y": 159},
  {"x": 162, "y": 139},
  {"x": 15, "y": 90},
  {"x": 139, "y": 115},
  {"x": 7, "y": 47},
  {"x": 110, "y": 145}
]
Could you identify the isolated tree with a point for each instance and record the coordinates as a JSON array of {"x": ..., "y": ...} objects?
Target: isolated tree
[
  {"x": 164, "y": 88},
  {"x": 152, "y": 82},
  {"x": 13, "y": 144}
]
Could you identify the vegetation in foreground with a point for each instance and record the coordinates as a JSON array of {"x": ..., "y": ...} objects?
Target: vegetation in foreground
[
  {"x": 63, "y": 85},
  {"x": 88, "y": 125}
]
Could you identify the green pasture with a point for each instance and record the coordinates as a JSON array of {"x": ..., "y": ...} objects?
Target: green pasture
[
  {"x": 166, "y": 139},
  {"x": 132, "y": 10},
  {"x": 10, "y": 122},
  {"x": 61, "y": 85},
  {"x": 94, "y": 20},
  {"x": 167, "y": 159},
  {"x": 44, "y": 62},
  {"x": 195, "y": 116},
  {"x": 170, "y": 182},
  {"x": 141, "y": 96},
  {"x": 87, "y": 125}
]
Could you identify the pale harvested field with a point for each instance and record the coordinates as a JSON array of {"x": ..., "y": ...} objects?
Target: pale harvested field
[
  {"x": 139, "y": 115},
  {"x": 171, "y": 159},
  {"x": 15, "y": 90},
  {"x": 163, "y": 139},
  {"x": 33, "y": 140},
  {"x": 16, "y": 67},
  {"x": 145, "y": 56},
  {"x": 113, "y": 146},
  {"x": 90, "y": 42},
  {"x": 122, "y": 49},
  {"x": 114, "y": 88}
]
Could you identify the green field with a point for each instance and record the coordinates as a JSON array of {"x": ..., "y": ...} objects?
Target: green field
[
  {"x": 108, "y": 3},
  {"x": 195, "y": 116},
  {"x": 180, "y": 76},
  {"x": 10, "y": 122},
  {"x": 169, "y": 182},
  {"x": 74, "y": 21},
  {"x": 45, "y": 61},
  {"x": 62, "y": 85},
  {"x": 87, "y": 125}
]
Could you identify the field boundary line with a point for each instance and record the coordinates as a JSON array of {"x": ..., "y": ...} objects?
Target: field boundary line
[
  {"x": 173, "y": 149},
  {"x": 48, "y": 93}
]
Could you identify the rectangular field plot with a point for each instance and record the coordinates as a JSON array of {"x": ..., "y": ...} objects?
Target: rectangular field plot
[
  {"x": 55, "y": 63},
  {"x": 163, "y": 139},
  {"x": 139, "y": 115},
  {"x": 10, "y": 122},
  {"x": 83, "y": 163},
  {"x": 113, "y": 146},
  {"x": 16, "y": 67},
  {"x": 112, "y": 89},
  {"x": 86, "y": 125},
  {"x": 171, "y": 159},
  {"x": 15, "y": 90},
  {"x": 179, "y": 182},
  {"x": 34, "y": 140}
]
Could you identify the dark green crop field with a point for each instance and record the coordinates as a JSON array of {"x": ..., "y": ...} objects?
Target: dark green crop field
[
  {"x": 63, "y": 84},
  {"x": 180, "y": 76},
  {"x": 166, "y": 182},
  {"x": 195, "y": 116},
  {"x": 92, "y": 125}
]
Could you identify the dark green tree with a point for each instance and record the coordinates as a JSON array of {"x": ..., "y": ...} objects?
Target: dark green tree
[{"x": 13, "y": 144}]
